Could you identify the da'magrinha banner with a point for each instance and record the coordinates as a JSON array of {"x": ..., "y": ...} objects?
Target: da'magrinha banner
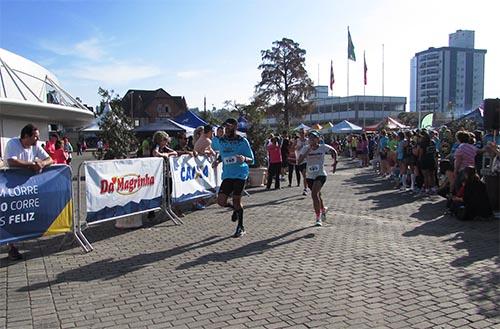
[
  {"x": 117, "y": 188},
  {"x": 192, "y": 177},
  {"x": 34, "y": 205}
]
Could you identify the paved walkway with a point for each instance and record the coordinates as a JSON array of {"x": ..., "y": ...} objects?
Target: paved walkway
[{"x": 383, "y": 260}]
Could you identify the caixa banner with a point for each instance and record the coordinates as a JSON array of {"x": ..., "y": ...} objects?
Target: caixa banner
[
  {"x": 34, "y": 205},
  {"x": 118, "y": 188},
  {"x": 192, "y": 178}
]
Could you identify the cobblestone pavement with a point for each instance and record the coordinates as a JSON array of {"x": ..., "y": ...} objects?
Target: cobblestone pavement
[{"x": 384, "y": 259}]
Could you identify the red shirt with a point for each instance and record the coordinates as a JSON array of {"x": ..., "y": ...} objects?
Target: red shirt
[
  {"x": 59, "y": 156},
  {"x": 274, "y": 153}
]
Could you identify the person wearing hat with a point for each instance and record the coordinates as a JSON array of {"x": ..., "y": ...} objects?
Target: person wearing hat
[
  {"x": 314, "y": 154},
  {"x": 235, "y": 154}
]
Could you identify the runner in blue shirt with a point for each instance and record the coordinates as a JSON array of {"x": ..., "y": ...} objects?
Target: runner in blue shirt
[{"x": 235, "y": 154}]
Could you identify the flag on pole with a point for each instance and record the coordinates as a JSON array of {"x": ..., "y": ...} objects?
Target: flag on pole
[
  {"x": 332, "y": 78},
  {"x": 350, "y": 47},
  {"x": 366, "y": 68}
]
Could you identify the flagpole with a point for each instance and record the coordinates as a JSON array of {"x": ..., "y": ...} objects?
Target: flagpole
[
  {"x": 347, "y": 70},
  {"x": 364, "y": 91},
  {"x": 383, "y": 99}
]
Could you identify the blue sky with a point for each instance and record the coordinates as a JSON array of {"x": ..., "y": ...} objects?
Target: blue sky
[{"x": 212, "y": 48}]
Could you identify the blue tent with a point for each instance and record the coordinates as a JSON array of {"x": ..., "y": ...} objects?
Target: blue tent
[
  {"x": 189, "y": 119},
  {"x": 242, "y": 124}
]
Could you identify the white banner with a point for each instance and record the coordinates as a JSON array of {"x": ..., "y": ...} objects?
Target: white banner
[
  {"x": 192, "y": 177},
  {"x": 121, "y": 187}
]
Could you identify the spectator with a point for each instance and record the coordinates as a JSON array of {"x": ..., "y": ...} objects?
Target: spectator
[
  {"x": 68, "y": 149},
  {"x": 274, "y": 168},
  {"x": 427, "y": 158},
  {"x": 292, "y": 163},
  {"x": 475, "y": 198},
  {"x": 50, "y": 145},
  {"x": 465, "y": 155},
  {"x": 24, "y": 152},
  {"x": 203, "y": 144},
  {"x": 60, "y": 157}
]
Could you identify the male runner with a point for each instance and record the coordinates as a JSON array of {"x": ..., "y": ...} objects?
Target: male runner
[
  {"x": 314, "y": 154},
  {"x": 235, "y": 154}
]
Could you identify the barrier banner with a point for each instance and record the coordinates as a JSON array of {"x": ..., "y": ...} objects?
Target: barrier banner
[
  {"x": 192, "y": 178},
  {"x": 34, "y": 205},
  {"x": 121, "y": 187}
]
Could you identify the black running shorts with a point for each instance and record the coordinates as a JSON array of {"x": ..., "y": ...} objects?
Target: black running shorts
[
  {"x": 232, "y": 185},
  {"x": 310, "y": 182}
]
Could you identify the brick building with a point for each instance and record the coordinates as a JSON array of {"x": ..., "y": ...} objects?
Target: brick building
[{"x": 148, "y": 106}]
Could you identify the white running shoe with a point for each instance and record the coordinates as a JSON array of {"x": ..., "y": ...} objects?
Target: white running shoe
[
  {"x": 319, "y": 222},
  {"x": 304, "y": 192}
]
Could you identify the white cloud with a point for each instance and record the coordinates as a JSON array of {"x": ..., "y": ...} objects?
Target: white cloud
[
  {"x": 90, "y": 49},
  {"x": 191, "y": 74},
  {"x": 115, "y": 73}
]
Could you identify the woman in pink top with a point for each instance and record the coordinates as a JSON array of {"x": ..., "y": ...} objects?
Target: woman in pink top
[
  {"x": 274, "y": 151},
  {"x": 464, "y": 157}
]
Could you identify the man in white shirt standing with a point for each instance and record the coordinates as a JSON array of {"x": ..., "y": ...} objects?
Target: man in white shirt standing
[{"x": 24, "y": 152}]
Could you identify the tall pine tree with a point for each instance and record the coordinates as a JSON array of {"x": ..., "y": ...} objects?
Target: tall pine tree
[{"x": 284, "y": 84}]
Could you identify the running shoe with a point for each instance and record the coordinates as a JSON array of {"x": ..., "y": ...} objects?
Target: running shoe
[
  {"x": 323, "y": 213},
  {"x": 304, "y": 192},
  {"x": 240, "y": 231},
  {"x": 318, "y": 222}
]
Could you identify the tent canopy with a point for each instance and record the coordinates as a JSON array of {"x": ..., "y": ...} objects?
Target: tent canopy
[
  {"x": 168, "y": 126},
  {"x": 475, "y": 115},
  {"x": 387, "y": 123},
  {"x": 345, "y": 127},
  {"x": 302, "y": 126},
  {"x": 190, "y": 119}
]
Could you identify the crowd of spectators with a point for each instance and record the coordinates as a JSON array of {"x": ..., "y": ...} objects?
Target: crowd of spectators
[{"x": 427, "y": 162}]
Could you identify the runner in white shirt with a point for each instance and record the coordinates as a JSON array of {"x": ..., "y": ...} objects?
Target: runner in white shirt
[{"x": 314, "y": 154}]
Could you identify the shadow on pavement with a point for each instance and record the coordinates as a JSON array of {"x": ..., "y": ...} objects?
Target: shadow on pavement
[
  {"x": 480, "y": 240},
  {"x": 109, "y": 269},
  {"x": 254, "y": 248}
]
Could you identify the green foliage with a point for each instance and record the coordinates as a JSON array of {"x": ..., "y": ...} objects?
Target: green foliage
[
  {"x": 116, "y": 128},
  {"x": 284, "y": 84},
  {"x": 257, "y": 133}
]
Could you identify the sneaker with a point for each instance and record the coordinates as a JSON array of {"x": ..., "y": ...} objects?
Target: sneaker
[
  {"x": 323, "y": 214},
  {"x": 304, "y": 192},
  {"x": 402, "y": 188},
  {"x": 318, "y": 222},
  {"x": 240, "y": 231},
  {"x": 14, "y": 254}
]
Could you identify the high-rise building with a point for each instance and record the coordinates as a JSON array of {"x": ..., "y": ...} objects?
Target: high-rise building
[{"x": 448, "y": 79}]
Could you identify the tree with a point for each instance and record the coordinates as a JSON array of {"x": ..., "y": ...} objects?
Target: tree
[
  {"x": 116, "y": 127},
  {"x": 256, "y": 132},
  {"x": 284, "y": 79}
]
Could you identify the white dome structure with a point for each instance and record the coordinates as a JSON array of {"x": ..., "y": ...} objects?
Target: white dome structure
[{"x": 29, "y": 93}]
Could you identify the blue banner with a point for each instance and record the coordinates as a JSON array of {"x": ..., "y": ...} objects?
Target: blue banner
[{"x": 34, "y": 205}]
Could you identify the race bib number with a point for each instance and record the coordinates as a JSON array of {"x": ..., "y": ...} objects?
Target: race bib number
[
  {"x": 229, "y": 160},
  {"x": 313, "y": 169}
]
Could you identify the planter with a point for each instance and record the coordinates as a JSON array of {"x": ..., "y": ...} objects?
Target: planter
[{"x": 257, "y": 177}]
